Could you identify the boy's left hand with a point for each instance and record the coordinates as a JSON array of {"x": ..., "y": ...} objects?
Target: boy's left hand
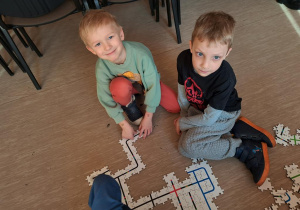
[{"x": 146, "y": 125}]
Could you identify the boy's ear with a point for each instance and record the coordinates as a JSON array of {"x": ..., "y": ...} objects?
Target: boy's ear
[
  {"x": 122, "y": 36},
  {"x": 191, "y": 44},
  {"x": 229, "y": 50},
  {"x": 90, "y": 49}
]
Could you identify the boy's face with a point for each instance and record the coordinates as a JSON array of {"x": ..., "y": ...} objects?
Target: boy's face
[
  {"x": 106, "y": 43},
  {"x": 207, "y": 56}
]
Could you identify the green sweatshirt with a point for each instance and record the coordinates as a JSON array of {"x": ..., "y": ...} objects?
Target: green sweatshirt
[{"x": 139, "y": 65}]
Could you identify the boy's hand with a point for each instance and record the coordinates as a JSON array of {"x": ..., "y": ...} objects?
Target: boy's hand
[
  {"x": 127, "y": 130},
  {"x": 177, "y": 127},
  {"x": 146, "y": 125}
]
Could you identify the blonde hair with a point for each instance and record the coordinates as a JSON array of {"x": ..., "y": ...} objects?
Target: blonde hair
[
  {"x": 215, "y": 27},
  {"x": 94, "y": 19}
]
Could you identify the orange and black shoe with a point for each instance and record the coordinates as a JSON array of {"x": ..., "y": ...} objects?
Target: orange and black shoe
[
  {"x": 246, "y": 130},
  {"x": 255, "y": 155}
]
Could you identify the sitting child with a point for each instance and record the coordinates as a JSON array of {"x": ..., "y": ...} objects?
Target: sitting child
[
  {"x": 124, "y": 69},
  {"x": 209, "y": 125}
]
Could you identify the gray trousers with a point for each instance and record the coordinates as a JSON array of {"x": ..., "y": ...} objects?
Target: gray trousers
[{"x": 210, "y": 142}]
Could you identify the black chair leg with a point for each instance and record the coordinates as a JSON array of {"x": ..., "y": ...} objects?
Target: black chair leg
[
  {"x": 97, "y": 5},
  {"x": 169, "y": 13},
  {"x": 175, "y": 14},
  {"x": 157, "y": 10},
  {"x": 10, "y": 52},
  {"x": 21, "y": 59},
  {"x": 152, "y": 5},
  {"x": 179, "y": 12},
  {"x": 20, "y": 37},
  {"x": 5, "y": 66},
  {"x": 86, "y": 5},
  {"x": 30, "y": 42}
]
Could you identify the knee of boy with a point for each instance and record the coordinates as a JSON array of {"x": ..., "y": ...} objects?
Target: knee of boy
[
  {"x": 120, "y": 85},
  {"x": 121, "y": 90}
]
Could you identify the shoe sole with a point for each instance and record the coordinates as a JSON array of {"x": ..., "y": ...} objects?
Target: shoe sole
[
  {"x": 138, "y": 121},
  {"x": 265, "y": 132},
  {"x": 267, "y": 165}
]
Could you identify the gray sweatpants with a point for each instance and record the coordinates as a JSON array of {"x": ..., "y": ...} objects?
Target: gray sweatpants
[{"x": 210, "y": 142}]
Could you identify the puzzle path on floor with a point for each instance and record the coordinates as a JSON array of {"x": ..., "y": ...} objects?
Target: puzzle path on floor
[
  {"x": 292, "y": 198},
  {"x": 199, "y": 190},
  {"x": 196, "y": 192},
  {"x": 284, "y": 137}
]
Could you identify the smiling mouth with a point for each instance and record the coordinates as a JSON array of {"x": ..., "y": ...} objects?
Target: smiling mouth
[
  {"x": 202, "y": 71},
  {"x": 111, "y": 52}
]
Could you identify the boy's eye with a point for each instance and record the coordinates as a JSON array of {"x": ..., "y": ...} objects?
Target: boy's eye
[
  {"x": 110, "y": 37},
  {"x": 217, "y": 57},
  {"x": 97, "y": 45},
  {"x": 199, "y": 54}
]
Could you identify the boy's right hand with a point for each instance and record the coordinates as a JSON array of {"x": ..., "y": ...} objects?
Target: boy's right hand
[{"x": 127, "y": 130}]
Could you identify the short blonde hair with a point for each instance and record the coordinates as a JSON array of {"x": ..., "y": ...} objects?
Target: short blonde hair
[
  {"x": 215, "y": 26},
  {"x": 94, "y": 19}
]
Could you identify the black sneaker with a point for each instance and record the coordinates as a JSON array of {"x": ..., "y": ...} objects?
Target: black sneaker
[
  {"x": 133, "y": 112},
  {"x": 255, "y": 155},
  {"x": 246, "y": 130}
]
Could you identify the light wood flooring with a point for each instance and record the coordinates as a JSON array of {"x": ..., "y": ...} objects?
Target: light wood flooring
[{"x": 53, "y": 138}]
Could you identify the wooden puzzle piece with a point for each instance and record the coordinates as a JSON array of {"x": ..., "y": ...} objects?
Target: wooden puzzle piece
[
  {"x": 284, "y": 137},
  {"x": 266, "y": 185}
]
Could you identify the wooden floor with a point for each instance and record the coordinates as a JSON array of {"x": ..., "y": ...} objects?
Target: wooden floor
[{"x": 53, "y": 138}]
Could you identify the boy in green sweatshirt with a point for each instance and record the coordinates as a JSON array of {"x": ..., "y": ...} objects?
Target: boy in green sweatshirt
[{"x": 124, "y": 69}]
